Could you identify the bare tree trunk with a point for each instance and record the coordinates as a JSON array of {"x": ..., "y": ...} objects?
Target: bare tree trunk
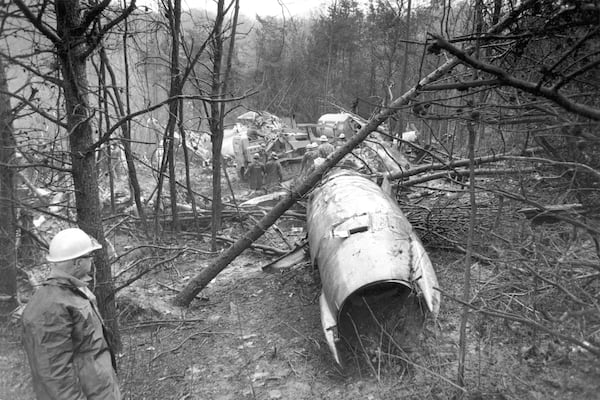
[
  {"x": 8, "y": 228},
  {"x": 71, "y": 53},
  {"x": 188, "y": 179},
  {"x": 174, "y": 13},
  {"x": 105, "y": 115},
  {"x": 216, "y": 124},
  {"x": 403, "y": 73},
  {"x": 126, "y": 142},
  {"x": 217, "y": 109},
  {"x": 462, "y": 344},
  {"x": 464, "y": 320},
  {"x": 330, "y": 49}
]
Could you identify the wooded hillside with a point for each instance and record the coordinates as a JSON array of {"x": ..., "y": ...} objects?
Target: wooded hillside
[{"x": 116, "y": 117}]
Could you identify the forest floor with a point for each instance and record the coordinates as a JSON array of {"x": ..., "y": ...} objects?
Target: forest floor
[{"x": 252, "y": 334}]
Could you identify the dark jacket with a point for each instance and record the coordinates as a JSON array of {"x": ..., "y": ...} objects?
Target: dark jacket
[
  {"x": 65, "y": 341},
  {"x": 254, "y": 175},
  {"x": 273, "y": 173},
  {"x": 325, "y": 149}
]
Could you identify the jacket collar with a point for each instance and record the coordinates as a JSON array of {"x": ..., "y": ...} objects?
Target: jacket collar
[{"x": 63, "y": 277}]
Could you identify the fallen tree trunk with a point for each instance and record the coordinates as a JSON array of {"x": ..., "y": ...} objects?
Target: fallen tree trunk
[
  {"x": 196, "y": 284},
  {"x": 255, "y": 246},
  {"x": 462, "y": 163},
  {"x": 450, "y": 174}
]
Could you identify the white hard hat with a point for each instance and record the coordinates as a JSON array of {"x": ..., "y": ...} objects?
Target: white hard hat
[
  {"x": 323, "y": 138},
  {"x": 71, "y": 243},
  {"x": 342, "y": 136},
  {"x": 311, "y": 145}
]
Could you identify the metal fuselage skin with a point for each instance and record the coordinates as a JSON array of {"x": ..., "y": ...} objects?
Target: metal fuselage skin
[{"x": 359, "y": 238}]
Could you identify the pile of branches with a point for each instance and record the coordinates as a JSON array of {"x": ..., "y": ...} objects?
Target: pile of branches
[
  {"x": 549, "y": 283},
  {"x": 443, "y": 221}
]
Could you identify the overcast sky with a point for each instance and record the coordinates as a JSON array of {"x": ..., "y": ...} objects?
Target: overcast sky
[{"x": 265, "y": 7}]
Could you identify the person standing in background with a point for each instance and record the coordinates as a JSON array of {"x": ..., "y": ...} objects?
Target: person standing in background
[
  {"x": 341, "y": 141},
  {"x": 255, "y": 173},
  {"x": 325, "y": 148},
  {"x": 273, "y": 172},
  {"x": 308, "y": 159}
]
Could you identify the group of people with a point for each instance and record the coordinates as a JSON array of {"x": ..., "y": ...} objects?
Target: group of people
[
  {"x": 316, "y": 154},
  {"x": 267, "y": 176},
  {"x": 264, "y": 176}
]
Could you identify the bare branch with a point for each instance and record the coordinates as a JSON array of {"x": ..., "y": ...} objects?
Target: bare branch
[
  {"x": 566, "y": 79},
  {"x": 530, "y": 87},
  {"x": 573, "y": 48},
  {"x": 37, "y": 22},
  {"x": 463, "y": 172},
  {"x": 94, "y": 12},
  {"x": 97, "y": 38},
  {"x": 117, "y": 20},
  {"x": 460, "y": 85},
  {"x": 458, "y": 163},
  {"x": 554, "y": 162},
  {"x": 525, "y": 321},
  {"x": 36, "y": 109},
  {"x": 29, "y": 68}
]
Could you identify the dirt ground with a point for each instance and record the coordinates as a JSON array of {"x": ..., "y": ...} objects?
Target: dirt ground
[
  {"x": 257, "y": 335},
  {"x": 253, "y": 334}
]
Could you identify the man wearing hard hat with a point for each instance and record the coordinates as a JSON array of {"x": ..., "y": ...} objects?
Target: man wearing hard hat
[
  {"x": 325, "y": 148},
  {"x": 63, "y": 333},
  {"x": 341, "y": 141}
]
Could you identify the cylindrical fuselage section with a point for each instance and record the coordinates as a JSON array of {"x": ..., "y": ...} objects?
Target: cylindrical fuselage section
[{"x": 358, "y": 236}]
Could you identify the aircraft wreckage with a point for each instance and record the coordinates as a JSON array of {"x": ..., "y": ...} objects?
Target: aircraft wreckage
[{"x": 367, "y": 253}]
